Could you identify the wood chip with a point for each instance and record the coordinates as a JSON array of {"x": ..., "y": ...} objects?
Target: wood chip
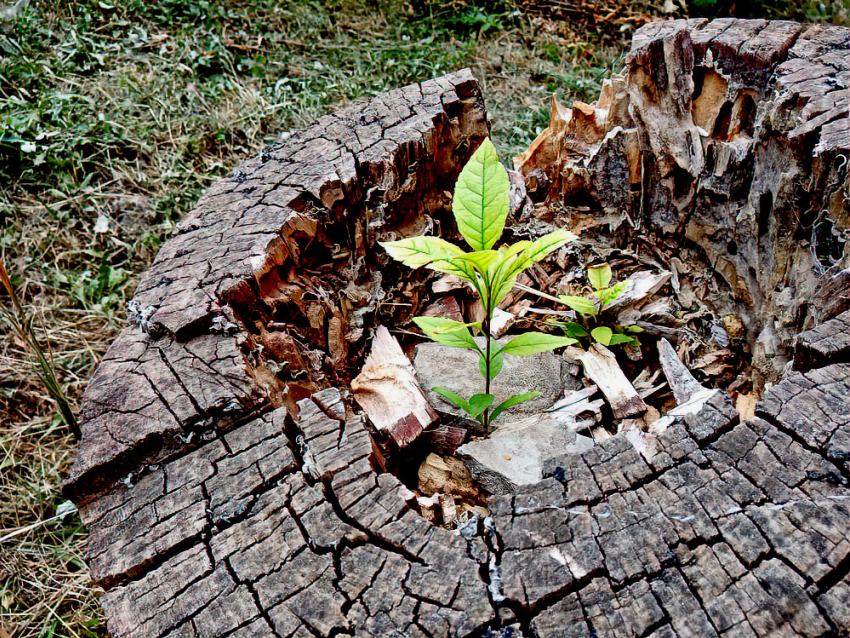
[
  {"x": 601, "y": 366},
  {"x": 447, "y": 307},
  {"x": 501, "y": 322},
  {"x": 387, "y": 390},
  {"x": 680, "y": 379},
  {"x": 640, "y": 286}
]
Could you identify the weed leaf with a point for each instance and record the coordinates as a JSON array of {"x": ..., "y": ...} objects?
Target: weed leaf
[
  {"x": 609, "y": 295},
  {"x": 433, "y": 252},
  {"x": 447, "y": 332},
  {"x": 511, "y": 402},
  {"x": 481, "y": 198},
  {"x": 480, "y": 260},
  {"x": 617, "y": 339},
  {"x": 575, "y": 330},
  {"x": 496, "y": 363},
  {"x": 454, "y": 399},
  {"x": 581, "y": 305},
  {"x": 603, "y": 335},
  {"x": 599, "y": 276},
  {"x": 478, "y": 403},
  {"x": 549, "y": 242}
]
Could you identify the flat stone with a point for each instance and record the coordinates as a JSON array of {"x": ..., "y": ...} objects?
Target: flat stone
[
  {"x": 457, "y": 370},
  {"x": 515, "y": 453}
]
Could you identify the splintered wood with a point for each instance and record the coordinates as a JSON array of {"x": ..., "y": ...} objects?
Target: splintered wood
[
  {"x": 601, "y": 366},
  {"x": 679, "y": 378},
  {"x": 389, "y": 394}
]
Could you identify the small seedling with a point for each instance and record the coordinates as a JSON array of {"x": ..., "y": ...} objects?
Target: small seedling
[
  {"x": 480, "y": 207},
  {"x": 591, "y": 310}
]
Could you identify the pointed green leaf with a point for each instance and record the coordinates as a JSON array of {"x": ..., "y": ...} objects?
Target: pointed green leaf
[
  {"x": 608, "y": 296},
  {"x": 575, "y": 330},
  {"x": 617, "y": 339},
  {"x": 512, "y": 401},
  {"x": 501, "y": 287},
  {"x": 454, "y": 399},
  {"x": 599, "y": 276},
  {"x": 581, "y": 305},
  {"x": 420, "y": 251},
  {"x": 503, "y": 274},
  {"x": 602, "y": 334},
  {"x": 478, "y": 403},
  {"x": 496, "y": 363},
  {"x": 447, "y": 332},
  {"x": 633, "y": 328},
  {"x": 480, "y": 260},
  {"x": 549, "y": 242},
  {"x": 531, "y": 343},
  {"x": 432, "y": 252},
  {"x": 481, "y": 198}
]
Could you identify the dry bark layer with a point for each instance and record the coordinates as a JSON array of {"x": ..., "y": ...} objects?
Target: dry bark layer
[
  {"x": 734, "y": 136},
  {"x": 213, "y": 513}
]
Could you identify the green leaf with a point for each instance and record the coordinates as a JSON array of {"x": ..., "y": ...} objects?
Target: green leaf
[
  {"x": 481, "y": 198},
  {"x": 599, "y": 276},
  {"x": 575, "y": 330},
  {"x": 500, "y": 288},
  {"x": 581, "y": 305},
  {"x": 420, "y": 251},
  {"x": 496, "y": 363},
  {"x": 617, "y": 339},
  {"x": 548, "y": 243},
  {"x": 478, "y": 403},
  {"x": 512, "y": 401},
  {"x": 454, "y": 399},
  {"x": 503, "y": 274},
  {"x": 531, "y": 343},
  {"x": 602, "y": 334},
  {"x": 447, "y": 332},
  {"x": 632, "y": 328},
  {"x": 480, "y": 260},
  {"x": 609, "y": 295}
]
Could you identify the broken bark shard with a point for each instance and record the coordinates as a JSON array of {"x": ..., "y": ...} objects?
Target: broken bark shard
[
  {"x": 681, "y": 381},
  {"x": 389, "y": 394}
]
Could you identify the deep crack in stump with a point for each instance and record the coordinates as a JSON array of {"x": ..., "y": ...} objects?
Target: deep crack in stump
[{"x": 212, "y": 513}]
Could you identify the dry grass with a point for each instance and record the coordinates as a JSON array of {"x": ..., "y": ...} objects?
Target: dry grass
[
  {"x": 133, "y": 111},
  {"x": 115, "y": 117}
]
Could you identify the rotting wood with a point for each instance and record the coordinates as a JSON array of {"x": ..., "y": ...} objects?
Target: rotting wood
[{"x": 677, "y": 150}]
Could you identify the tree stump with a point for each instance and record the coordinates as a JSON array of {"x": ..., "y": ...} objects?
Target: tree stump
[{"x": 213, "y": 512}]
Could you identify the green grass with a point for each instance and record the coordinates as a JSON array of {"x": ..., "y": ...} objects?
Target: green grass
[{"x": 114, "y": 117}]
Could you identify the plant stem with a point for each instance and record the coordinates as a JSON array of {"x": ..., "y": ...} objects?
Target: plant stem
[
  {"x": 486, "y": 325},
  {"x": 45, "y": 366}
]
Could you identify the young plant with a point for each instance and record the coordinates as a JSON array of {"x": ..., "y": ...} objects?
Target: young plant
[
  {"x": 591, "y": 308},
  {"x": 480, "y": 207}
]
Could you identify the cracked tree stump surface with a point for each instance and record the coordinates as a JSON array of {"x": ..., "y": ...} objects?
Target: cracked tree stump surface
[{"x": 213, "y": 513}]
